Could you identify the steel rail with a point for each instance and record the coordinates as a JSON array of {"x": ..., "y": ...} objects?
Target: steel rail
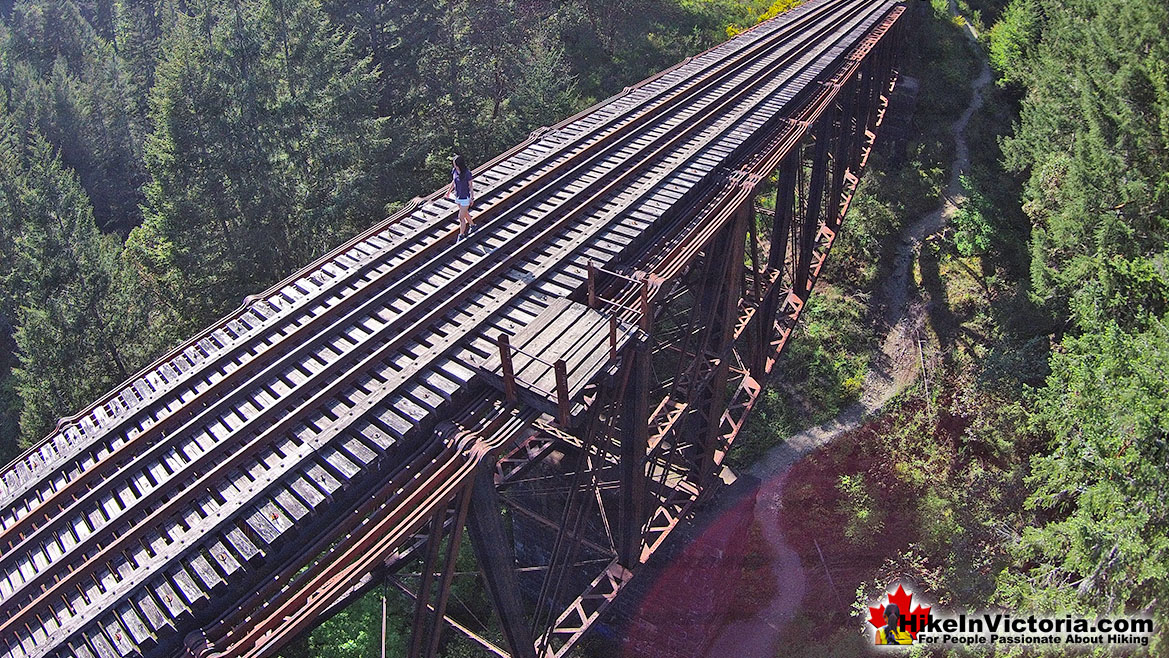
[
  {"x": 498, "y": 268},
  {"x": 117, "y": 458},
  {"x": 267, "y": 328},
  {"x": 663, "y": 266}
]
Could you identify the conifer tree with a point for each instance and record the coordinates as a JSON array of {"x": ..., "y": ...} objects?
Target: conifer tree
[
  {"x": 265, "y": 131},
  {"x": 72, "y": 327},
  {"x": 9, "y": 226},
  {"x": 1093, "y": 136},
  {"x": 142, "y": 26},
  {"x": 65, "y": 79}
]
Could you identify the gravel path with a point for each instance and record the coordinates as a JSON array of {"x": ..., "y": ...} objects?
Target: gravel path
[{"x": 894, "y": 368}]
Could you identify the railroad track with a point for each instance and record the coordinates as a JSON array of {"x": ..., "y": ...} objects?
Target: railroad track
[{"x": 121, "y": 530}]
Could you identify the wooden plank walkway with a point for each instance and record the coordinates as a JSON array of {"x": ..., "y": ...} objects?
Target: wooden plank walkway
[{"x": 550, "y": 361}]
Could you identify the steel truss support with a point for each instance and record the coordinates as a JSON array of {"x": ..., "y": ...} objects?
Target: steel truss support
[
  {"x": 566, "y": 511},
  {"x": 634, "y": 443},
  {"x": 496, "y": 556},
  {"x": 428, "y": 613},
  {"x": 709, "y": 399}
]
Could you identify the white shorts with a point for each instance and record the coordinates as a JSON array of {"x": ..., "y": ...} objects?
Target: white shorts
[{"x": 464, "y": 203}]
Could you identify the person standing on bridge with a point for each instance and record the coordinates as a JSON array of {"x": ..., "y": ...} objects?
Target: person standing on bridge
[{"x": 464, "y": 193}]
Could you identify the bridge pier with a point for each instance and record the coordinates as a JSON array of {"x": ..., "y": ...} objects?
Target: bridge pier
[{"x": 722, "y": 314}]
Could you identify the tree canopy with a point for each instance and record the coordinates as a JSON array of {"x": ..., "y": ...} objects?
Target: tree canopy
[
  {"x": 197, "y": 151},
  {"x": 1094, "y": 123},
  {"x": 1092, "y": 141}
]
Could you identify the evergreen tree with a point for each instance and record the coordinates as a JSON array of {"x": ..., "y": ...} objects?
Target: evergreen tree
[
  {"x": 545, "y": 89},
  {"x": 9, "y": 227},
  {"x": 265, "y": 128},
  {"x": 1093, "y": 137},
  {"x": 72, "y": 327},
  {"x": 141, "y": 28},
  {"x": 1101, "y": 495},
  {"x": 65, "y": 79}
]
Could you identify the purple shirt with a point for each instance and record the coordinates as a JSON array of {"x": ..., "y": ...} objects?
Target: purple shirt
[{"x": 462, "y": 181}]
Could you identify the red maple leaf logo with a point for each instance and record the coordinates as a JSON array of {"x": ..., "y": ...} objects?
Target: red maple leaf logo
[{"x": 911, "y": 622}]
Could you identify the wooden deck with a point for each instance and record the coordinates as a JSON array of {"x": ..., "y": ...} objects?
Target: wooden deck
[{"x": 580, "y": 342}]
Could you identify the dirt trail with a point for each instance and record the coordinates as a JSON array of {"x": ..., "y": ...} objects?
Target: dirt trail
[{"x": 893, "y": 368}]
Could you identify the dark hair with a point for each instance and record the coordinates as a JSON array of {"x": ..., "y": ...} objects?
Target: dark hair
[
  {"x": 460, "y": 164},
  {"x": 894, "y": 610}
]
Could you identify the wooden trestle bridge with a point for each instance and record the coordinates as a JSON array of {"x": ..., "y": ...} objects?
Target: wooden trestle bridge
[{"x": 564, "y": 384}]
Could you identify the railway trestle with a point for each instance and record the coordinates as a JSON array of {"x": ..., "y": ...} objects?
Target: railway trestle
[
  {"x": 715, "y": 303},
  {"x": 546, "y": 400}
]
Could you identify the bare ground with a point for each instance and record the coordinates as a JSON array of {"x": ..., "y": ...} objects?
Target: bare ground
[{"x": 758, "y": 521}]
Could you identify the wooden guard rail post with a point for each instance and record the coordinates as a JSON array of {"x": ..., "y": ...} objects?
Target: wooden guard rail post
[
  {"x": 563, "y": 407},
  {"x": 562, "y": 392},
  {"x": 508, "y": 370},
  {"x": 612, "y": 337},
  {"x": 592, "y": 272}
]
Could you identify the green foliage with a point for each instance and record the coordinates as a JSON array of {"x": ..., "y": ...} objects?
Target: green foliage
[
  {"x": 988, "y": 12},
  {"x": 62, "y": 287},
  {"x": 863, "y": 520},
  {"x": 64, "y": 79},
  {"x": 355, "y": 631},
  {"x": 877, "y": 212},
  {"x": 832, "y": 365},
  {"x": 973, "y": 228},
  {"x": 265, "y": 124},
  {"x": 1102, "y": 493},
  {"x": 775, "y": 9},
  {"x": 1093, "y": 139},
  {"x": 1012, "y": 39},
  {"x": 1011, "y": 364},
  {"x": 142, "y": 28}
]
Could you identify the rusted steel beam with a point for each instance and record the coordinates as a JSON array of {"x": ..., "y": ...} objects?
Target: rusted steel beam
[
  {"x": 496, "y": 556},
  {"x": 721, "y": 336},
  {"x": 841, "y": 148},
  {"x": 812, "y": 218},
  {"x": 448, "y": 571},
  {"x": 592, "y": 283},
  {"x": 571, "y": 535},
  {"x": 785, "y": 196},
  {"x": 422, "y": 622},
  {"x": 634, "y": 441}
]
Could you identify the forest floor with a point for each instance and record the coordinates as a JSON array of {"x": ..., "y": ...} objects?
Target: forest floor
[{"x": 738, "y": 583}]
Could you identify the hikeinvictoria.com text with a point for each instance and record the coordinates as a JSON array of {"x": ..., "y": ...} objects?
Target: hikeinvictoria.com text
[{"x": 1001, "y": 628}]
